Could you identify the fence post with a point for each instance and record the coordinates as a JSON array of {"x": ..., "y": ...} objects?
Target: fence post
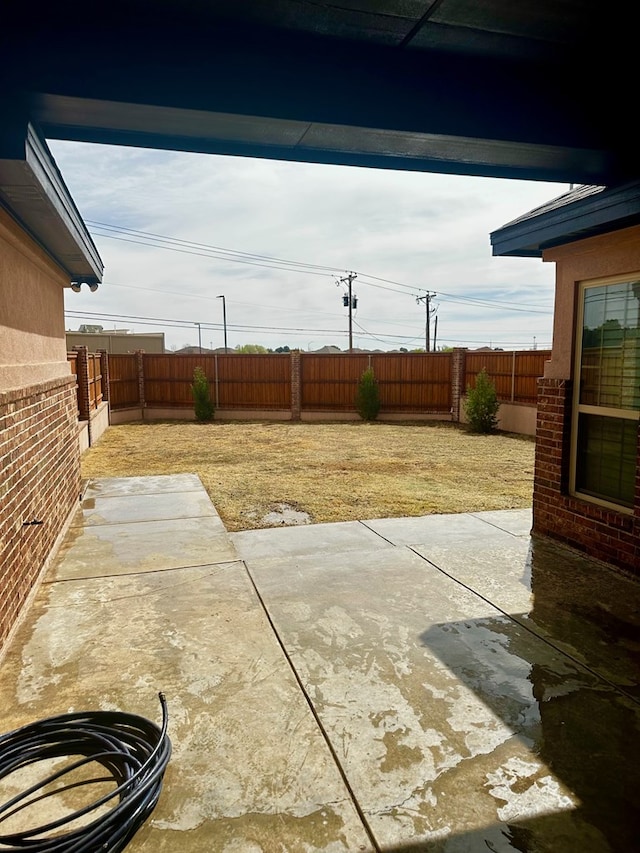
[
  {"x": 457, "y": 380},
  {"x": 140, "y": 365},
  {"x": 84, "y": 393},
  {"x": 296, "y": 396},
  {"x": 215, "y": 361},
  {"x": 104, "y": 370},
  {"x": 513, "y": 377}
]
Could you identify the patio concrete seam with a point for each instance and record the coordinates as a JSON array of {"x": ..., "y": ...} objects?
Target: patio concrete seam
[
  {"x": 496, "y": 526},
  {"x": 115, "y": 495},
  {"x": 528, "y": 628},
  {"x": 88, "y": 524},
  {"x": 359, "y": 810},
  {"x": 384, "y": 538},
  {"x": 142, "y": 572}
]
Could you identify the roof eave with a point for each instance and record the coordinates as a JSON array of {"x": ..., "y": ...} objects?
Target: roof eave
[
  {"x": 609, "y": 210},
  {"x": 34, "y": 192}
]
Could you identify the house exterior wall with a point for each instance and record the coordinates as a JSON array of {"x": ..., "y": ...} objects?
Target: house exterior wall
[
  {"x": 39, "y": 452},
  {"x": 598, "y": 531},
  {"x": 32, "y": 339},
  {"x": 519, "y": 418}
]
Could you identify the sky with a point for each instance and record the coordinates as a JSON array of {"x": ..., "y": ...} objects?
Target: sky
[{"x": 175, "y": 231}]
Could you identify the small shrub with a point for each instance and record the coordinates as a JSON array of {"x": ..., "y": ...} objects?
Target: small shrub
[
  {"x": 204, "y": 407},
  {"x": 368, "y": 396},
  {"x": 481, "y": 404}
]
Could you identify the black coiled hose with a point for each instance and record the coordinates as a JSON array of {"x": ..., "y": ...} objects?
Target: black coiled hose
[{"x": 135, "y": 752}]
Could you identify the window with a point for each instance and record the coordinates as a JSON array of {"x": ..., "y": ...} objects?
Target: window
[{"x": 607, "y": 393}]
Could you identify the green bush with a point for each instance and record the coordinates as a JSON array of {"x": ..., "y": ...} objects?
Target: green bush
[
  {"x": 481, "y": 404},
  {"x": 368, "y": 396},
  {"x": 202, "y": 396}
]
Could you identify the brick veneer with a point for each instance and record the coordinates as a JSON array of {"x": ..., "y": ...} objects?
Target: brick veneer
[
  {"x": 40, "y": 484},
  {"x": 611, "y": 536}
]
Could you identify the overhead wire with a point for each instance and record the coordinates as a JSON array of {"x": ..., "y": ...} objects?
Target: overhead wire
[
  {"x": 189, "y": 324},
  {"x": 273, "y": 262}
]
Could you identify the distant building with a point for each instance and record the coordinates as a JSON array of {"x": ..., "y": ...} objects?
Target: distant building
[
  {"x": 116, "y": 341},
  {"x": 200, "y": 351},
  {"x": 330, "y": 348}
]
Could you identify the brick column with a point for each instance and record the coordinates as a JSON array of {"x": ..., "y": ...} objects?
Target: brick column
[
  {"x": 84, "y": 393},
  {"x": 551, "y": 477},
  {"x": 458, "y": 364},
  {"x": 296, "y": 395},
  {"x": 140, "y": 366},
  {"x": 104, "y": 370}
]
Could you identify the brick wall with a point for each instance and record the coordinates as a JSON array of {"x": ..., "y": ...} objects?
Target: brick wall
[
  {"x": 39, "y": 485},
  {"x": 611, "y": 536}
]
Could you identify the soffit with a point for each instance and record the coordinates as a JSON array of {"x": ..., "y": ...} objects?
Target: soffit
[{"x": 33, "y": 191}]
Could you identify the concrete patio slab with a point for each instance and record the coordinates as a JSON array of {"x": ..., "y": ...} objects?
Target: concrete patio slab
[
  {"x": 458, "y": 728},
  {"x": 472, "y": 564},
  {"x": 250, "y": 769},
  {"x": 101, "y": 550},
  {"x": 341, "y": 537},
  {"x": 445, "y": 684},
  {"x": 462, "y": 528},
  {"x": 582, "y": 607},
  {"x": 159, "y": 484},
  {"x": 118, "y": 509},
  {"x": 518, "y": 522}
]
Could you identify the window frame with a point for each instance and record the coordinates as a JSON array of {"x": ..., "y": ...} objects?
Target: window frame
[{"x": 578, "y": 408}]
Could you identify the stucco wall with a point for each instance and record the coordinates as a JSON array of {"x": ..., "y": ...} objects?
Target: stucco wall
[
  {"x": 612, "y": 254},
  {"x": 32, "y": 338}
]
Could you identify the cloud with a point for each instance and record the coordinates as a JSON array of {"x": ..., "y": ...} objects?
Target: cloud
[{"x": 426, "y": 231}]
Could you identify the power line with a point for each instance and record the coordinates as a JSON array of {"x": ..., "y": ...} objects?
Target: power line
[
  {"x": 208, "y": 247},
  {"x": 189, "y": 324},
  {"x": 442, "y": 293},
  {"x": 213, "y": 256},
  {"x": 373, "y": 337},
  {"x": 271, "y": 262}
]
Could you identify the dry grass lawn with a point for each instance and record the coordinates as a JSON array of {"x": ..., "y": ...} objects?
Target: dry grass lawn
[{"x": 332, "y": 471}]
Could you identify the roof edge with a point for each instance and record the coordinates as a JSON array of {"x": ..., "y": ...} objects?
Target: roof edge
[
  {"x": 584, "y": 212},
  {"x": 34, "y": 192}
]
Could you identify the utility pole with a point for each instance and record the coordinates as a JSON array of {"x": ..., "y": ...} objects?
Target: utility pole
[
  {"x": 224, "y": 319},
  {"x": 429, "y": 312},
  {"x": 351, "y": 301},
  {"x": 199, "y": 337}
]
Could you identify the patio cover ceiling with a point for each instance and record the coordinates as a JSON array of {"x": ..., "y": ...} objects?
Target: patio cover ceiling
[{"x": 497, "y": 88}]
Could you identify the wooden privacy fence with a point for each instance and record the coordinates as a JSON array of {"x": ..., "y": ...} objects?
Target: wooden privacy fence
[
  {"x": 514, "y": 374},
  {"x": 425, "y": 383},
  {"x": 90, "y": 380},
  {"x": 408, "y": 382},
  {"x": 237, "y": 381}
]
